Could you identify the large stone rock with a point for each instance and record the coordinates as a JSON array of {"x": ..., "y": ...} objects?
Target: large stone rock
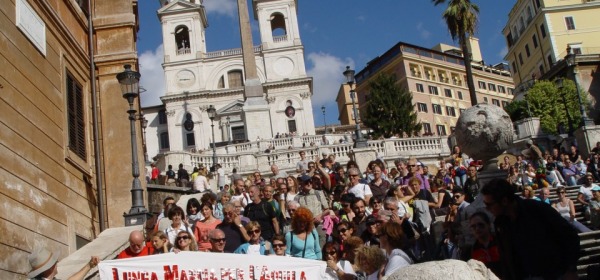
[{"x": 484, "y": 131}]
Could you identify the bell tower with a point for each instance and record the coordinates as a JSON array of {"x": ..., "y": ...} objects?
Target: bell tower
[{"x": 184, "y": 24}]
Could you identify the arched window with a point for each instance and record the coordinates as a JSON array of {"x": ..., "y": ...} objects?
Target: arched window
[
  {"x": 278, "y": 30},
  {"x": 182, "y": 39},
  {"x": 221, "y": 83},
  {"x": 235, "y": 78}
]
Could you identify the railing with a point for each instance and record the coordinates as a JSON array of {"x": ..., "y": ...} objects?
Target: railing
[
  {"x": 184, "y": 51},
  {"x": 281, "y": 38},
  {"x": 230, "y": 52},
  {"x": 251, "y": 156}
]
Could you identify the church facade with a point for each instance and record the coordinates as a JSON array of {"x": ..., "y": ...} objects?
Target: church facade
[{"x": 197, "y": 79}]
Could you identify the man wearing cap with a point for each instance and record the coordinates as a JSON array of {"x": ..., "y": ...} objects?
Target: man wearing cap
[
  {"x": 44, "y": 265},
  {"x": 315, "y": 201},
  {"x": 137, "y": 246}
]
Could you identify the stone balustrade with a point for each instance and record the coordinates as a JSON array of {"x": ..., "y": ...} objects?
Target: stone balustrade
[{"x": 252, "y": 156}]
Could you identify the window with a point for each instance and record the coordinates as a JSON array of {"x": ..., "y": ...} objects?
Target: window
[
  {"x": 541, "y": 68},
  {"x": 420, "y": 88},
  {"x": 450, "y": 111},
  {"x": 238, "y": 133},
  {"x": 235, "y": 78},
  {"x": 426, "y": 129},
  {"x": 448, "y": 92},
  {"x": 527, "y": 52},
  {"x": 576, "y": 50},
  {"x": 422, "y": 107},
  {"x": 437, "y": 109},
  {"x": 182, "y": 40},
  {"x": 511, "y": 91},
  {"x": 514, "y": 67},
  {"x": 549, "y": 58},
  {"x": 278, "y": 29},
  {"x": 441, "y": 129},
  {"x": 481, "y": 84},
  {"x": 535, "y": 42},
  {"x": 460, "y": 96},
  {"x": 221, "y": 83},
  {"x": 485, "y": 99},
  {"x": 429, "y": 74},
  {"x": 76, "y": 117},
  {"x": 414, "y": 70},
  {"x": 84, "y": 4},
  {"x": 504, "y": 104},
  {"x": 501, "y": 89},
  {"x": 190, "y": 139},
  {"x": 491, "y": 87},
  {"x": 496, "y": 102},
  {"x": 543, "y": 30},
  {"x": 570, "y": 23},
  {"x": 291, "y": 125},
  {"x": 509, "y": 39},
  {"x": 162, "y": 117},
  {"x": 520, "y": 59},
  {"x": 433, "y": 90},
  {"x": 164, "y": 141}
]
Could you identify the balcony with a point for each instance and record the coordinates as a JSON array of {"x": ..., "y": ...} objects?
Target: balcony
[{"x": 230, "y": 52}]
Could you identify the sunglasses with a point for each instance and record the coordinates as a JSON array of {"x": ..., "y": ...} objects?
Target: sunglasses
[
  {"x": 185, "y": 237},
  {"x": 216, "y": 240},
  {"x": 457, "y": 196},
  {"x": 562, "y": 192},
  {"x": 257, "y": 231},
  {"x": 342, "y": 230},
  {"x": 278, "y": 245},
  {"x": 331, "y": 252},
  {"x": 411, "y": 165},
  {"x": 345, "y": 205},
  {"x": 353, "y": 175}
]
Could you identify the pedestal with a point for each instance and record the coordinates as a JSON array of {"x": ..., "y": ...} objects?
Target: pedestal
[
  {"x": 587, "y": 136},
  {"x": 363, "y": 156},
  {"x": 257, "y": 119}
]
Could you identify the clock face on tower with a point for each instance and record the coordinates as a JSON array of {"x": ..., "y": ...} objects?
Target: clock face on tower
[{"x": 185, "y": 78}]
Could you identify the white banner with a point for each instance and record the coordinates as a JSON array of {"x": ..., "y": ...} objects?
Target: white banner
[{"x": 211, "y": 266}]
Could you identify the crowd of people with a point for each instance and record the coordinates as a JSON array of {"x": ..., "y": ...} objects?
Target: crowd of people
[{"x": 368, "y": 223}]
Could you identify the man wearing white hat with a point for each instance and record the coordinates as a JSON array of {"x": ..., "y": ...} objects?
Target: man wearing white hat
[{"x": 43, "y": 265}]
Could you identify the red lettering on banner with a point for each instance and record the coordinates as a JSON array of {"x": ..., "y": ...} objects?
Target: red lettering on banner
[
  {"x": 115, "y": 273},
  {"x": 171, "y": 273},
  {"x": 302, "y": 276},
  {"x": 183, "y": 275},
  {"x": 239, "y": 273}
]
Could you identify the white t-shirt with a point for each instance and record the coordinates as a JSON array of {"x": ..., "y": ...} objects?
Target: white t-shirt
[
  {"x": 346, "y": 266},
  {"x": 253, "y": 250},
  {"x": 587, "y": 192},
  {"x": 396, "y": 260},
  {"x": 221, "y": 174},
  {"x": 361, "y": 190},
  {"x": 201, "y": 184}
]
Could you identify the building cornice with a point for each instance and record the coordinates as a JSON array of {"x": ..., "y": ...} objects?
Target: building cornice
[{"x": 185, "y": 96}]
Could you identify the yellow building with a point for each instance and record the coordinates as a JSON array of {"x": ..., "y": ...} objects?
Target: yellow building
[
  {"x": 48, "y": 85},
  {"x": 437, "y": 80},
  {"x": 538, "y": 33}
]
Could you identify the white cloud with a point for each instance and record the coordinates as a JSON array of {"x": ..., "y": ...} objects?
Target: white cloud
[
  {"x": 425, "y": 34},
  {"x": 153, "y": 77},
  {"x": 503, "y": 52},
  {"x": 327, "y": 77},
  {"x": 223, "y": 7}
]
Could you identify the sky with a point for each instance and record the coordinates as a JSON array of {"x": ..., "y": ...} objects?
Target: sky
[{"x": 335, "y": 33}]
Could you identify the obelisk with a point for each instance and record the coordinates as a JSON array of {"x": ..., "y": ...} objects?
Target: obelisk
[{"x": 256, "y": 109}]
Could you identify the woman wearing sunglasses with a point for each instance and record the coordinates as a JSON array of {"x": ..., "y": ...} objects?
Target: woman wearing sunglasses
[
  {"x": 185, "y": 242},
  {"x": 566, "y": 208},
  {"x": 255, "y": 246},
  {"x": 279, "y": 245}
]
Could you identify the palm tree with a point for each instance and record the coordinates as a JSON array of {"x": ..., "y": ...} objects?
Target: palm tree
[{"x": 461, "y": 18}]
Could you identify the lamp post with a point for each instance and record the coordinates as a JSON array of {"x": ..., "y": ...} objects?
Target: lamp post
[
  {"x": 360, "y": 142},
  {"x": 212, "y": 113},
  {"x": 324, "y": 120},
  {"x": 144, "y": 126},
  {"x": 129, "y": 81},
  {"x": 228, "y": 124},
  {"x": 571, "y": 64},
  {"x": 560, "y": 86}
]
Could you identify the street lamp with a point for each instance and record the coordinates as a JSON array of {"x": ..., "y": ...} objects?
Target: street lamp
[
  {"x": 324, "y": 120},
  {"x": 212, "y": 113},
  {"x": 559, "y": 84},
  {"x": 228, "y": 124},
  {"x": 130, "y": 81},
  {"x": 360, "y": 142},
  {"x": 144, "y": 126},
  {"x": 571, "y": 64}
]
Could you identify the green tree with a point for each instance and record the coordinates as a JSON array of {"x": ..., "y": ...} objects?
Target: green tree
[
  {"x": 389, "y": 110},
  {"x": 550, "y": 104},
  {"x": 461, "y": 19}
]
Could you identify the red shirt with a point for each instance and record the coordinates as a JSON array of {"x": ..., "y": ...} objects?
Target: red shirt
[
  {"x": 155, "y": 172},
  {"x": 127, "y": 253}
]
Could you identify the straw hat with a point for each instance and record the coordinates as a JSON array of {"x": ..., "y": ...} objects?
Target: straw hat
[{"x": 40, "y": 261}]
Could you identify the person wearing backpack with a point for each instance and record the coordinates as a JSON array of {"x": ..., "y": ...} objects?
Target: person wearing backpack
[{"x": 170, "y": 179}]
